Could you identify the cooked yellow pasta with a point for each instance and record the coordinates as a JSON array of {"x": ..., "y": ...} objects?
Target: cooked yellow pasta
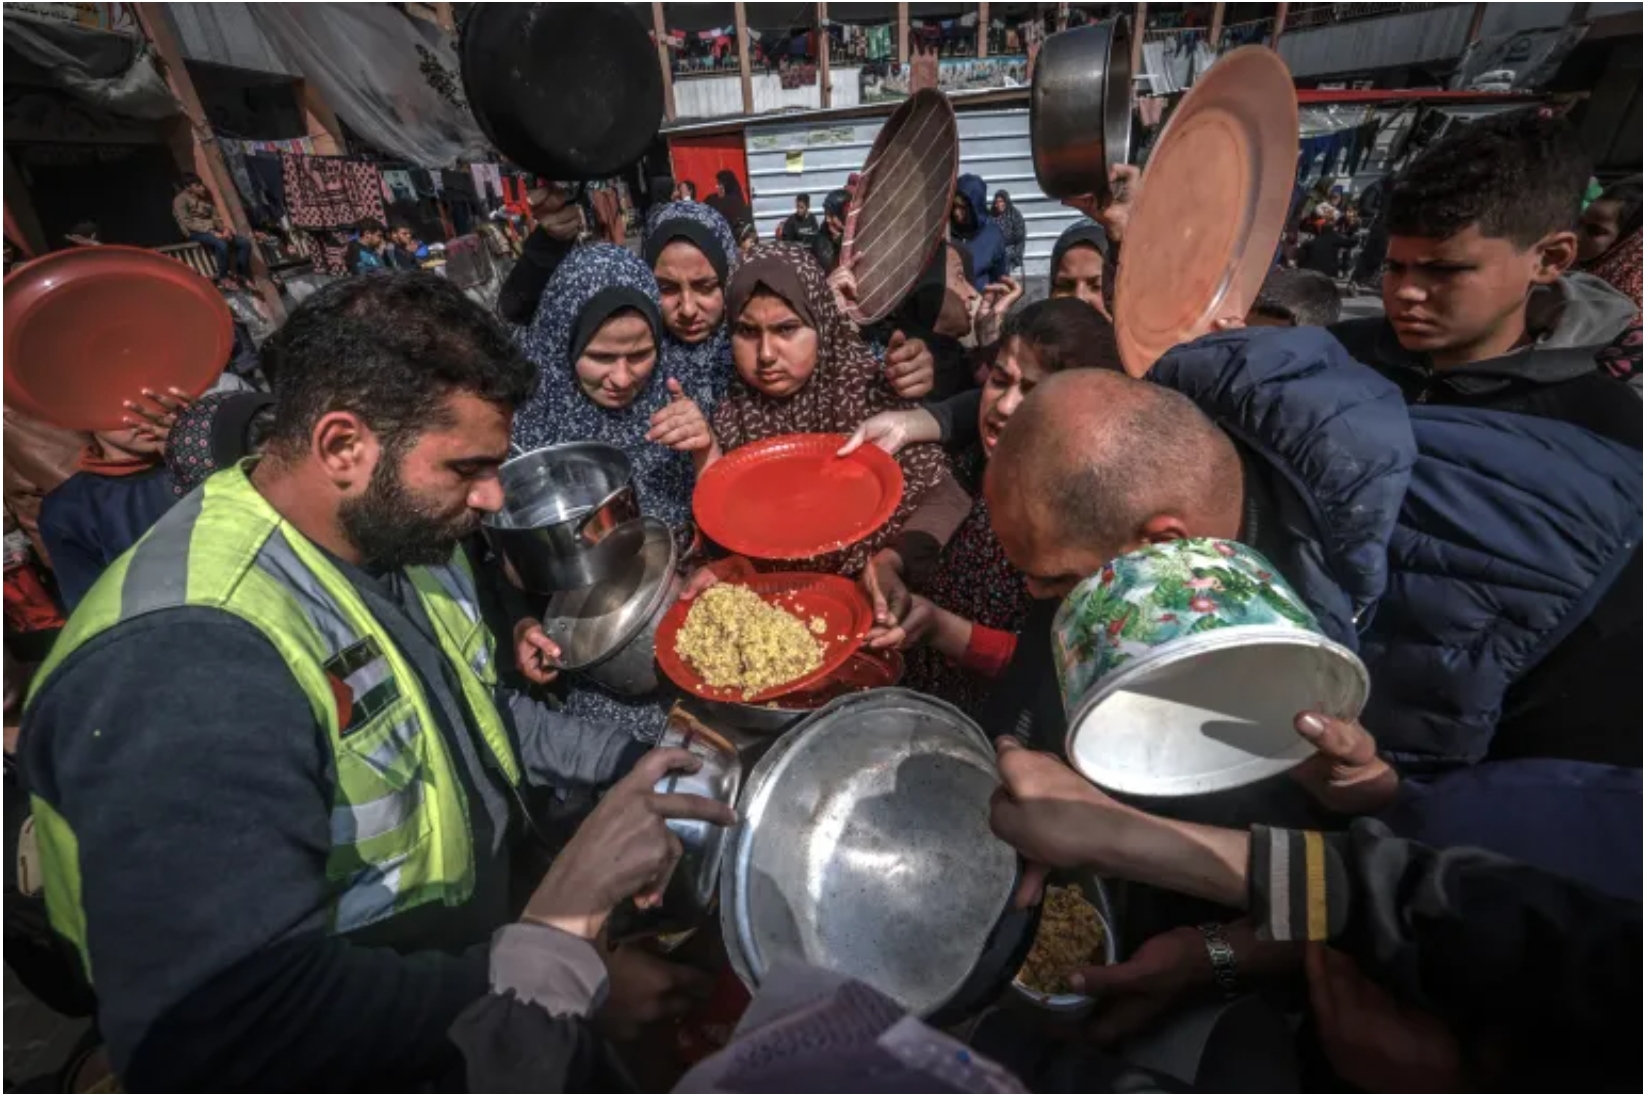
[{"x": 736, "y": 640}]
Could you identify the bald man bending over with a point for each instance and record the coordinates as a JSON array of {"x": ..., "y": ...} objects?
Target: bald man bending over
[
  {"x": 1103, "y": 465},
  {"x": 1485, "y": 565}
]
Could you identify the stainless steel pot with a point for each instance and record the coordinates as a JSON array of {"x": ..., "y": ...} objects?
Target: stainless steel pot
[
  {"x": 691, "y": 890},
  {"x": 864, "y": 846},
  {"x": 564, "y": 524},
  {"x": 606, "y": 630},
  {"x": 1081, "y": 109}
]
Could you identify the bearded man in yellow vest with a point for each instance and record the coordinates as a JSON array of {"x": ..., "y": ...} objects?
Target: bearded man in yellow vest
[{"x": 276, "y": 781}]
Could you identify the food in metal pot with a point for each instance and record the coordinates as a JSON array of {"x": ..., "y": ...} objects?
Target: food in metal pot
[
  {"x": 734, "y": 639},
  {"x": 1071, "y": 935}
]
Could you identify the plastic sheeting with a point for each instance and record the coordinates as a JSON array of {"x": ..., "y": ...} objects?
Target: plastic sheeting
[
  {"x": 111, "y": 71},
  {"x": 392, "y": 79},
  {"x": 1173, "y": 64}
]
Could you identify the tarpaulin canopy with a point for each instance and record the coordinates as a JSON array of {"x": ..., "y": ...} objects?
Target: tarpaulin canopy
[
  {"x": 393, "y": 79},
  {"x": 112, "y": 71}
]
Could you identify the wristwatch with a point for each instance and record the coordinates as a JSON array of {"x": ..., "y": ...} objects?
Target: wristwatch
[{"x": 1223, "y": 957}]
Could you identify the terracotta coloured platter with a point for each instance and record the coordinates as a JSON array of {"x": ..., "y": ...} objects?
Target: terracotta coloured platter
[
  {"x": 839, "y": 602},
  {"x": 901, "y": 208},
  {"x": 89, "y": 328},
  {"x": 792, "y": 497},
  {"x": 1211, "y": 207}
]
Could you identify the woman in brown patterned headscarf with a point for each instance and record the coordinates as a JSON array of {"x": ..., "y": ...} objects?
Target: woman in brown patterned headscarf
[{"x": 802, "y": 368}]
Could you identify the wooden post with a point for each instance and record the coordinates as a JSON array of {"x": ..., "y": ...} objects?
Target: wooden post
[
  {"x": 984, "y": 28},
  {"x": 903, "y": 33},
  {"x": 1475, "y": 32},
  {"x": 1278, "y": 24},
  {"x": 1063, "y": 20},
  {"x": 823, "y": 54},
  {"x": 208, "y": 157},
  {"x": 1138, "y": 38},
  {"x": 743, "y": 56},
  {"x": 319, "y": 123},
  {"x": 1216, "y": 26},
  {"x": 661, "y": 36}
]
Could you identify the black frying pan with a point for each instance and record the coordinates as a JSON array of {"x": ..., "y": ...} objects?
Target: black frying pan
[{"x": 568, "y": 91}]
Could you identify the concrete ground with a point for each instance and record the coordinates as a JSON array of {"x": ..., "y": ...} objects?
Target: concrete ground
[{"x": 38, "y": 1040}]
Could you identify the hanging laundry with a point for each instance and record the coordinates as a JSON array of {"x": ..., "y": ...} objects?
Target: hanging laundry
[
  {"x": 268, "y": 178},
  {"x": 331, "y": 191},
  {"x": 400, "y": 186}
]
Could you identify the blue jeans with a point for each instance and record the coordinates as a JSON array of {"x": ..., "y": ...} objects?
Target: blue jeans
[{"x": 220, "y": 248}]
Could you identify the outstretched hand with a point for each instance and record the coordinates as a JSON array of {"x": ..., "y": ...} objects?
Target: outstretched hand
[{"x": 1346, "y": 775}]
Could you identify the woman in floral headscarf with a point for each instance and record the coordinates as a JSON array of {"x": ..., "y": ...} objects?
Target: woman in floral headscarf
[
  {"x": 800, "y": 367},
  {"x": 602, "y": 376}
]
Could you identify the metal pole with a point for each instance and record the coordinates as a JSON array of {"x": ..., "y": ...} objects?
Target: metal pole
[
  {"x": 208, "y": 157},
  {"x": 743, "y": 57},
  {"x": 903, "y": 33},
  {"x": 660, "y": 37},
  {"x": 984, "y": 28},
  {"x": 1278, "y": 25},
  {"x": 823, "y": 54},
  {"x": 1217, "y": 25},
  {"x": 1475, "y": 32}
]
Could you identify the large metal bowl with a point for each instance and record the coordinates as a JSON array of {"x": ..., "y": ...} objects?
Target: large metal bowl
[
  {"x": 1081, "y": 109},
  {"x": 1071, "y": 1004},
  {"x": 565, "y": 516},
  {"x": 606, "y": 630},
  {"x": 864, "y": 846}
]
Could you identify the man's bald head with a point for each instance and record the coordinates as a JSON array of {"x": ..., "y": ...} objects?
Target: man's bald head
[{"x": 1096, "y": 464}]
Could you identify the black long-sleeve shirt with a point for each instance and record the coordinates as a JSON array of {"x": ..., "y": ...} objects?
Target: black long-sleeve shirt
[{"x": 518, "y": 296}]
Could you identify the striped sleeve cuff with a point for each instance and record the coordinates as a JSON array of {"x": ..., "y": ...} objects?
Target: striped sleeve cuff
[{"x": 1298, "y": 889}]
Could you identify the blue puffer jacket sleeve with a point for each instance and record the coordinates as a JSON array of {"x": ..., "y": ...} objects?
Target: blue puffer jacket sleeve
[{"x": 1457, "y": 546}]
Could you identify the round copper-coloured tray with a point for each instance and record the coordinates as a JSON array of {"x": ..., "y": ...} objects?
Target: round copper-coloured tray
[
  {"x": 1211, "y": 207},
  {"x": 902, "y": 205}
]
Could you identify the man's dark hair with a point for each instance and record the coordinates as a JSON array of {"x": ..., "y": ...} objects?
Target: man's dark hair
[
  {"x": 1305, "y": 298},
  {"x": 368, "y": 225},
  {"x": 86, "y": 228},
  {"x": 1516, "y": 176},
  {"x": 189, "y": 179},
  {"x": 803, "y": 199},
  {"x": 389, "y": 348},
  {"x": 1065, "y": 333}
]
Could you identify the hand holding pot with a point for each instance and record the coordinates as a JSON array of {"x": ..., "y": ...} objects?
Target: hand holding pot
[{"x": 624, "y": 849}]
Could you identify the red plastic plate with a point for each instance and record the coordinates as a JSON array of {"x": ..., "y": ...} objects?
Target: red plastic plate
[
  {"x": 86, "y": 329},
  {"x": 846, "y": 611},
  {"x": 793, "y": 497},
  {"x": 864, "y": 671}
]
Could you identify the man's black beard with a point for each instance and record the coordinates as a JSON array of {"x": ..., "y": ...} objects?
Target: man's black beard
[{"x": 391, "y": 529}]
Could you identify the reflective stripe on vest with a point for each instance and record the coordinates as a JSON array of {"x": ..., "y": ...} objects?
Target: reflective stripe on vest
[{"x": 399, "y": 824}]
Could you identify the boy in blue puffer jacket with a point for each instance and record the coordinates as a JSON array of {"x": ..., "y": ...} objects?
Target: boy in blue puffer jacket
[{"x": 970, "y": 224}]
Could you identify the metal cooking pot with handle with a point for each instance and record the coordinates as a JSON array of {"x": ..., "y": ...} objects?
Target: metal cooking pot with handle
[
  {"x": 606, "y": 631},
  {"x": 1081, "y": 109},
  {"x": 569, "y": 516}
]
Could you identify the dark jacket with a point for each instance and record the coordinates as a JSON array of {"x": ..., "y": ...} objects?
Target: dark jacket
[
  {"x": 799, "y": 229},
  {"x": 1458, "y": 550},
  {"x": 519, "y": 295},
  {"x": 90, "y": 520},
  {"x": 1548, "y": 970},
  {"x": 984, "y": 240},
  {"x": 1555, "y": 377}
]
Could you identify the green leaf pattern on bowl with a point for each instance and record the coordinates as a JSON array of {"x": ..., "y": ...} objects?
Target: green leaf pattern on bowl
[{"x": 1161, "y": 593}]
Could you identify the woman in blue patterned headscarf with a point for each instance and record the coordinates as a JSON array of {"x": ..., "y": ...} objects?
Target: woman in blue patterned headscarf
[
  {"x": 602, "y": 376},
  {"x": 692, "y": 254},
  {"x": 597, "y": 340}
]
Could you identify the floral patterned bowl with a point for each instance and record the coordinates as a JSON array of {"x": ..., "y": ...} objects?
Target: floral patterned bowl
[{"x": 1182, "y": 667}]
